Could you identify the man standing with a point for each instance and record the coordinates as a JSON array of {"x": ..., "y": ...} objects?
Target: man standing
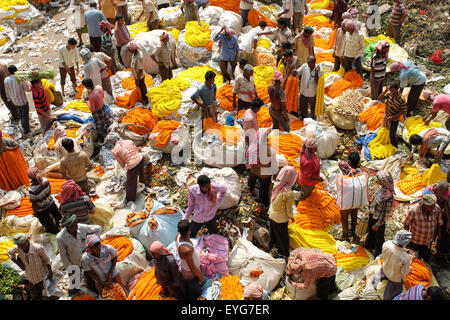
[
  {"x": 71, "y": 242},
  {"x": 288, "y": 10},
  {"x": 4, "y": 73},
  {"x": 96, "y": 70},
  {"x": 109, "y": 9},
  {"x": 164, "y": 57},
  {"x": 129, "y": 157},
  {"x": 93, "y": 18},
  {"x": 353, "y": 48},
  {"x": 32, "y": 259},
  {"x": 228, "y": 52},
  {"x": 121, "y": 34},
  {"x": 150, "y": 13},
  {"x": 75, "y": 165},
  {"x": 207, "y": 93},
  {"x": 97, "y": 107},
  {"x": 190, "y": 11},
  {"x": 80, "y": 8},
  {"x": 396, "y": 264},
  {"x": 338, "y": 48},
  {"x": 300, "y": 10},
  {"x": 423, "y": 219},
  {"x": 245, "y": 6},
  {"x": 42, "y": 105},
  {"x": 68, "y": 57},
  {"x": 15, "y": 93},
  {"x": 204, "y": 199},
  {"x": 378, "y": 68},
  {"x": 244, "y": 88},
  {"x": 398, "y": 16},
  {"x": 122, "y": 8},
  {"x": 278, "y": 100},
  {"x": 137, "y": 69},
  {"x": 309, "y": 75},
  {"x": 395, "y": 108}
]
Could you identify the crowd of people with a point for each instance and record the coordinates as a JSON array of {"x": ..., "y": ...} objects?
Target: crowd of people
[{"x": 106, "y": 24}]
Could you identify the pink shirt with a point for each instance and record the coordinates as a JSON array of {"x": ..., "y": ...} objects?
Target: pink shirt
[
  {"x": 95, "y": 99},
  {"x": 249, "y": 120},
  {"x": 127, "y": 154},
  {"x": 309, "y": 168},
  {"x": 199, "y": 204},
  {"x": 441, "y": 102}
]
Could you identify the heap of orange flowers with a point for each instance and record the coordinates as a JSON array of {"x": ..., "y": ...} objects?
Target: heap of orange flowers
[
  {"x": 351, "y": 80},
  {"x": 122, "y": 244},
  {"x": 147, "y": 288},
  {"x": 141, "y": 117},
  {"x": 164, "y": 128},
  {"x": 227, "y": 134},
  {"x": 232, "y": 289}
]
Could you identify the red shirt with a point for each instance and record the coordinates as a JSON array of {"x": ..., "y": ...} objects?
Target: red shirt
[
  {"x": 95, "y": 99},
  {"x": 309, "y": 168}
]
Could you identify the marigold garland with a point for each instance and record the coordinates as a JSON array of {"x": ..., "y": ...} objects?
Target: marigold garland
[
  {"x": 147, "y": 288},
  {"x": 164, "y": 128},
  {"x": 142, "y": 117},
  {"x": 232, "y": 289},
  {"x": 227, "y": 134},
  {"x": 299, "y": 237},
  {"x": 416, "y": 125},
  {"x": 419, "y": 274},
  {"x": 13, "y": 169},
  {"x": 122, "y": 244}
]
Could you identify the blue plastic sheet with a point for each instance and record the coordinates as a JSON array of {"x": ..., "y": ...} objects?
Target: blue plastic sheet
[
  {"x": 364, "y": 141},
  {"x": 68, "y": 116}
]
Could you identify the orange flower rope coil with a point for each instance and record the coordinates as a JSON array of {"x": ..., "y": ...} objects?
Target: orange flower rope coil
[
  {"x": 164, "y": 128},
  {"x": 292, "y": 94},
  {"x": 326, "y": 44},
  {"x": 411, "y": 185},
  {"x": 225, "y": 96},
  {"x": 288, "y": 145},
  {"x": 318, "y": 212},
  {"x": 351, "y": 80},
  {"x": 114, "y": 293},
  {"x": 141, "y": 117},
  {"x": 25, "y": 209},
  {"x": 263, "y": 93},
  {"x": 122, "y": 244},
  {"x": 229, "y": 135},
  {"x": 129, "y": 100},
  {"x": 373, "y": 116},
  {"x": 419, "y": 274},
  {"x": 147, "y": 288},
  {"x": 13, "y": 169},
  {"x": 129, "y": 83},
  {"x": 232, "y": 289},
  {"x": 318, "y": 20},
  {"x": 254, "y": 17}
]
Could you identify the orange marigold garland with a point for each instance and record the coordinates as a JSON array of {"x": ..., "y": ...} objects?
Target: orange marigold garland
[{"x": 232, "y": 289}]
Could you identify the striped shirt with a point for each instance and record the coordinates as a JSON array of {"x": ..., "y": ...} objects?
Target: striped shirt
[
  {"x": 398, "y": 10},
  {"x": 378, "y": 65},
  {"x": 15, "y": 91},
  {"x": 40, "y": 195},
  {"x": 395, "y": 104},
  {"x": 422, "y": 227},
  {"x": 80, "y": 208},
  {"x": 107, "y": 43},
  {"x": 40, "y": 100},
  {"x": 35, "y": 261},
  {"x": 414, "y": 293}
]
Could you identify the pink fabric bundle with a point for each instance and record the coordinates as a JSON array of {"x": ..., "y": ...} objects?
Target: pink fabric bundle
[{"x": 214, "y": 260}]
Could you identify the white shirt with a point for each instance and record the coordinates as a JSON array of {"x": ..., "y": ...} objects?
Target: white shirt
[
  {"x": 396, "y": 262},
  {"x": 248, "y": 38},
  {"x": 149, "y": 7},
  {"x": 69, "y": 57},
  {"x": 15, "y": 91},
  {"x": 246, "y": 6},
  {"x": 308, "y": 86},
  {"x": 71, "y": 249},
  {"x": 354, "y": 44},
  {"x": 92, "y": 71},
  {"x": 287, "y": 5}
]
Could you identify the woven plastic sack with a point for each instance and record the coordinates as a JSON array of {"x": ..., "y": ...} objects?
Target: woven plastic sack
[
  {"x": 352, "y": 192},
  {"x": 231, "y": 20},
  {"x": 183, "y": 140},
  {"x": 103, "y": 213},
  {"x": 339, "y": 120},
  {"x": 211, "y": 14},
  {"x": 148, "y": 41},
  {"x": 171, "y": 17},
  {"x": 191, "y": 56},
  {"x": 298, "y": 294}
]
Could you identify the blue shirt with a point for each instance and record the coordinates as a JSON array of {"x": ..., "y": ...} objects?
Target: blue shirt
[
  {"x": 412, "y": 76},
  {"x": 93, "y": 17},
  {"x": 208, "y": 95},
  {"x": 230, "y": 47},
  {"x": 414, "y": 293}
]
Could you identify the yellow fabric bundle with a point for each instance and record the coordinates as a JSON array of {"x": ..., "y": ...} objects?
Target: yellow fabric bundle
[
  {"x": 408, "y": 171},
  {"x": 320, "y": 95},
  {"x": 299, "y": 237},
  {"x": 377, "y": 38},
  {"x": 137, "y": 28},
  {"x": 415, "y": 125},
  {"x": 381, "y": 147},
  {"x": 263, "y": 75},
  {"x": 48, "y": 87},
  {"x": 198, "y": 74},
  {"x": 4, "y": 246},
  {"x": 176, "y": 33},
  {"x": 340, "y": 72},
  {"x": 78, "y": 105},
  {"x": 352, "y": 261},
  {"x": 166, "y": 98},
  {"x": 197, "y": 36},
  {"x": 433, "y": 175},
  {"x": 264, "y": 43},
  {"x": 322, "y": 4}
]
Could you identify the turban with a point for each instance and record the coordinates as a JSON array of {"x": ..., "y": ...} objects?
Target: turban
[
  {"x": 307, "y": 147},
  {"x": 164, "y": 35},
  {"x": 158, "y": 247},
  {"x": 402, "y": 238},
  {"x": 428, "y": 200},
  {"x": 253, "y": 291},
  {"x": 59, "y": 133},
  {"x": 85, "y": 53},
  {"x": 350, "y": 24},
  {"x": 69, "y": 221},
  {"x": 230, "y": 31},
  {"x": 353, "y": 12},
  {"x": 132, "y": 46},
  {"x": 277, "y": 76},
  {"x": 70, "y": 191},
  {"x": 387, "y": 182},
  {"x": 248, "y": 68},
  {"x": 346, "y": 15},
  {"x": 285, "y": 180},
  {"x": 35, "y": 173},
  {"x": 398, "y": 66},
  {"x": 21, "y": 238},
  {"x": 92, "y": 240},
  {"x": 106, "y": 25}
]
